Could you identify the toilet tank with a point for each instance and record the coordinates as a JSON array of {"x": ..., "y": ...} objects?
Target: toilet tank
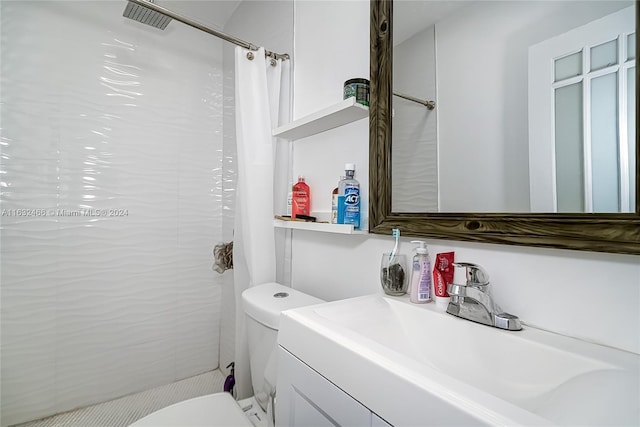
[{"x": 262, "y": 305}]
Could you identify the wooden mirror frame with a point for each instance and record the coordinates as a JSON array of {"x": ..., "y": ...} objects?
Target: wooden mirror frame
[{"x": 614, "y": 232}]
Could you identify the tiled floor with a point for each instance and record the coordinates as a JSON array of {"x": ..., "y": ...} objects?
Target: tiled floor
[{"x": 125, "y": 410}]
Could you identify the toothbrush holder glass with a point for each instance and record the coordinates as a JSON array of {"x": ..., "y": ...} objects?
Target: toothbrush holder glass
[{"x": 393, "y": 274}]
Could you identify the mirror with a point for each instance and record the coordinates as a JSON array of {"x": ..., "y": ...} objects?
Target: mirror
[
  {"x": 464, "y": 218},
  {"x": 503, "y": 122}
]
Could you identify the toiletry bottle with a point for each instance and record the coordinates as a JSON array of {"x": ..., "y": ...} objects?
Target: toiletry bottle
[
  {"x": 349, "y": 198},
  {"x": 420, "y": 291},
  {"x": 290, "y": 199},
  {"x": 334, "y": 203},
  {"x": 301, "y": 203}
]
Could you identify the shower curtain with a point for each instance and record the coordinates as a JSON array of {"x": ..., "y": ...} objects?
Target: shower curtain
[{"x": 262, "y": 103}]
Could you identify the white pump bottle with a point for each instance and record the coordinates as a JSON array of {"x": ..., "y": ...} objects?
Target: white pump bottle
[{"x": 420, "y": 290}]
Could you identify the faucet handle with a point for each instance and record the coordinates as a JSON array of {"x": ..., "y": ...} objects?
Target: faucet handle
[{"x": 474, "y": 274}]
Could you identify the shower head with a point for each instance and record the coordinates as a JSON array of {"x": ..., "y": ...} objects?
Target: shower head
[{"x": 145, "y": 15}]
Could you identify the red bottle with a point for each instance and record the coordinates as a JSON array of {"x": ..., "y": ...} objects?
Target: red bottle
[{"x": 301, "y": 203}]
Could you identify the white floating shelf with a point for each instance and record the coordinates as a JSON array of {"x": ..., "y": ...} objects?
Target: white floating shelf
[
  {"x": 342, "y": 113},
  {"x": 317, "y": 226}
]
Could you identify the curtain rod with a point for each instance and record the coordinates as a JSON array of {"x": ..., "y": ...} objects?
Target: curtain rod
[
  {"x": 429, "y": 104},
  {"x": 202, "y": 27}
]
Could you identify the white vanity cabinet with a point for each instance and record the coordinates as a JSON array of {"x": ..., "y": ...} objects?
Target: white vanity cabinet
[
  {"x": 306, "y": 398},
  {"x": 376, "y": 421}
]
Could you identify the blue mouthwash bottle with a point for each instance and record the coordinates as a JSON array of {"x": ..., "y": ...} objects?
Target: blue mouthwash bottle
[{"x": 349, "y": 198}]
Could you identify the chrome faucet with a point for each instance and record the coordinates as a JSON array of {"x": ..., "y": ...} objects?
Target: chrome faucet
[{"x": 473, "y": 301}]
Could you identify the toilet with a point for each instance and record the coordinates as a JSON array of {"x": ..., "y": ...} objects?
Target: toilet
[{"x": 262, "y": 306}]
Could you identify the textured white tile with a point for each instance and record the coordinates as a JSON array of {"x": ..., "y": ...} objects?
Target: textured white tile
[
  {"x": 100, "y": 113},
  {"x": 124, "y": 369},
  {"x": 30, "y": 375}
]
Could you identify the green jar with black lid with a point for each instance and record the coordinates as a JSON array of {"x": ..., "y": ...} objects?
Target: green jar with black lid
[{"x": 358, "y": 88}]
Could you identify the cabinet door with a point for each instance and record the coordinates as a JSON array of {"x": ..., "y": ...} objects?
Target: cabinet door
[
  {"x": 376, "y": 421},
  {"x": 305, "y": 398}
]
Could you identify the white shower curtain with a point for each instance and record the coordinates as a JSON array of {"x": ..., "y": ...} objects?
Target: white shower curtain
[{"x": 262, "y": 103}]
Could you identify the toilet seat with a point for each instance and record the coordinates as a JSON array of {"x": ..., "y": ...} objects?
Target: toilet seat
[{"x": 219, "y": 409}]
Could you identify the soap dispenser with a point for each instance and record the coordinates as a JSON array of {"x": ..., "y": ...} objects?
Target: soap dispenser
[{"x": 420, "y": 290}]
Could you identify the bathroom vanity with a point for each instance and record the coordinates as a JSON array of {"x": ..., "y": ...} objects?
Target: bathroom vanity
[
  {"x": 378, "y": 360},
  {"x": 309, "y": 399}
]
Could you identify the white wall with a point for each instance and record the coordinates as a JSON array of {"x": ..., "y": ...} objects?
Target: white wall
[
  {"x": 590, "y": 295},
  {"x": 102, "y": 112},
  {"x": 330, "y": 47}
]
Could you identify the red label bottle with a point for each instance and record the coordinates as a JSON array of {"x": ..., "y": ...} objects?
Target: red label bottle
[{"x": 301, "y": 203}]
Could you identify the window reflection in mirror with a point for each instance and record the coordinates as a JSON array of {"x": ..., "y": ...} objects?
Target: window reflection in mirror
[{"x": 514, "y": 130}]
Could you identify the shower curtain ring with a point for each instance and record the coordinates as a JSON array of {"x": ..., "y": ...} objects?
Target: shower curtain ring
[
  {"x": 273, "y": 62},
  {"x": 250, "y": 56}
]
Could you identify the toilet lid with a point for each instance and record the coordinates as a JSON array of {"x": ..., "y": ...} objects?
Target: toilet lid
[
  {"x": 265, "y": 302},
  {"x": 218, "y": 409}
]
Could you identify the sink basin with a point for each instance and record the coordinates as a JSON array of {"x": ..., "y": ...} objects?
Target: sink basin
[{"x": 415, "y": 365}]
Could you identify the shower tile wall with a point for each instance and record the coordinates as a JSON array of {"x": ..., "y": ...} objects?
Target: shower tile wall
[{"x": 102, "y": 113}]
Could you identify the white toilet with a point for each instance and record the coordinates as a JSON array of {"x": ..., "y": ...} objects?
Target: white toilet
[{"x": 262, "y": 304}]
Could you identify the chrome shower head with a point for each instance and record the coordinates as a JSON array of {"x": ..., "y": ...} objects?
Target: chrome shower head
[{"x": 145, "y": 15}]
